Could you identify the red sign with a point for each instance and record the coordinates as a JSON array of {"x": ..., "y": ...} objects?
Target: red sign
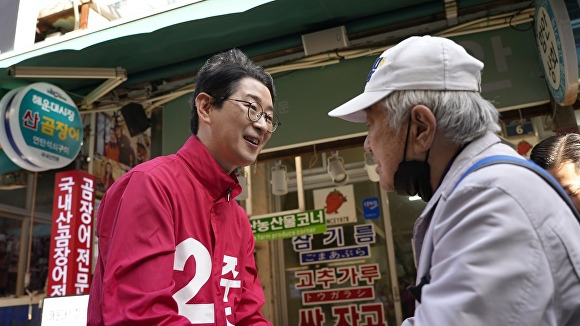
[{"x": 69, "y": 264}]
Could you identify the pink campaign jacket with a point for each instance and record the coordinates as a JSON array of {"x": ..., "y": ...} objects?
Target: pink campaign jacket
[{"x": 175, "y": 248}]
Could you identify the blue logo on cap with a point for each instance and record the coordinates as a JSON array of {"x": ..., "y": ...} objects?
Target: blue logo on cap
[{"x": 379, "y": 62}]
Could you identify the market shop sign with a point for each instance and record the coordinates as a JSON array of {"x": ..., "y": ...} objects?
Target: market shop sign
[
  {"x": 41, "y": 128},
  {"x": 71, "y": 237},
  {"x": 288, "y": 225},
  {"x": 557, "y": 48},
  {"x": 338, "y": 203}
]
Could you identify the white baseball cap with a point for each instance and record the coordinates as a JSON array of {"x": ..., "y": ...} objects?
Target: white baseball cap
[{"x": 416, "y": 63}]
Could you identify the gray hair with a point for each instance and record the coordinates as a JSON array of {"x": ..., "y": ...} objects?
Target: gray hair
[{"x": 461, "y": 115}]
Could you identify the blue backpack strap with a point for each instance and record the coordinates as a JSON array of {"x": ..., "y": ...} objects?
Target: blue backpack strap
[{"x": 505, "y": 159}]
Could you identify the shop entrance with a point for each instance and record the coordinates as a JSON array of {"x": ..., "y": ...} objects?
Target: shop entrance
[{"x": 355, "y": 272}]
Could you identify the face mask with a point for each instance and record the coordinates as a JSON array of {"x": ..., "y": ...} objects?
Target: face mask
[{"x": 413, "y": 177}]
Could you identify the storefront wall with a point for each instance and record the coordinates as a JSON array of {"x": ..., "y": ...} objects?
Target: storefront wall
[
  {"x": 310, "y": 288},
  {"x": 512, "y": 77}
]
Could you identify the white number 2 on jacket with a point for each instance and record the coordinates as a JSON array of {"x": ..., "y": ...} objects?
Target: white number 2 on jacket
[{"x": 199, "y": 313}]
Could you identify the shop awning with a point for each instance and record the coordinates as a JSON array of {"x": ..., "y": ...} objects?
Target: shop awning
[
  {"x": 137, "y": 45},
  {"x": 81, "y": 39},
  {"x": 172, "y": 44},
  {"x": 177, "y": 41}
]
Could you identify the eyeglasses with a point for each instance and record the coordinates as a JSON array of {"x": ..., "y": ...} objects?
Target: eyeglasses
[{"x": 255, "y": 112}]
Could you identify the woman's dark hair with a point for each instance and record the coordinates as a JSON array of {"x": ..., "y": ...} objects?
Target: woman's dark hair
[
  {"x": 219, "y": 77},
  {"x": 556, "y": 150}
]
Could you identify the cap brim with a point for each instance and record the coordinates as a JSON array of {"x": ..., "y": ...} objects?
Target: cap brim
[{"x": 353, "y": 110}]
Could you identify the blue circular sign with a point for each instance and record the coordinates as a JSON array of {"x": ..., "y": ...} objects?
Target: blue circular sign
[
  {"x": 42, "y": 127},
  {"x": 557, "y": 49}
]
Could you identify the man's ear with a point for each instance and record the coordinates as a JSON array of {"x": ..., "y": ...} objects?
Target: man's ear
[
  {"x": 424, "y": 128},
  {"x": 204, "y": 107}
]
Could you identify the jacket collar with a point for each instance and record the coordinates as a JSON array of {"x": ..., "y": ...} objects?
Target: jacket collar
[
  {"x": 472, "y": 153},
  {"x": 207, "y": 170},
  {"x": 468, "y": 156}
]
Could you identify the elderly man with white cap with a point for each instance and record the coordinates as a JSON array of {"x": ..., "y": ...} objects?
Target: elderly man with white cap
[{"x": 497, "y": 243}]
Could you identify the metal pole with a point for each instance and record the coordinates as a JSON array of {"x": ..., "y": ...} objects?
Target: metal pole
[{"x": 30, "y": 236}]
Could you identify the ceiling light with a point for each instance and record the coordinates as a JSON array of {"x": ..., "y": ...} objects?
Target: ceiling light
[
  {"x": 113, "y": 76},
  {"x": 336, "y": 170},
  {"x": 62, "y": 72},
  {"x": 371, "y": 167},
  {"x": 279, "y": 179}
]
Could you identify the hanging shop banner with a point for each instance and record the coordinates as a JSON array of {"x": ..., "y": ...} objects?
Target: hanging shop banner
[
  {"x": 338, "y": 204},
  {"x": 288, "y": 225},
  {"x": 557, "y": 47},
  {"x": 71, "y": 237},
  {"x": 41, "y": 128}
]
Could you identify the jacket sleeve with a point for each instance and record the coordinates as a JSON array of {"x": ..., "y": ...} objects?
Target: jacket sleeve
[
  {"x": 487, "y": 266},
  {"x": 249, "y": 310},
  {"x": 139, "y": 252}
]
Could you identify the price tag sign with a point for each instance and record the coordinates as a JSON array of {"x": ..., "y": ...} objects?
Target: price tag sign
[{"x": 519, "y": 127}]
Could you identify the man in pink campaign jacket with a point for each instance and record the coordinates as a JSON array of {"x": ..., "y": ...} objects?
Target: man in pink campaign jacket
[
  {"x": 175, "y": 248},
  {"x": 499, "y": 240}
]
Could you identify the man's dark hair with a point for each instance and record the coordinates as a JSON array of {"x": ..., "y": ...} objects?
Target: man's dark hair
[
  {"x": 556, "y": 150},
  {"x": 219, "y": 77}
]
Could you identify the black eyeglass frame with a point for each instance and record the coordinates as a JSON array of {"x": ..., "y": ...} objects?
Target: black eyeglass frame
[{"x": 271, "y": 119}]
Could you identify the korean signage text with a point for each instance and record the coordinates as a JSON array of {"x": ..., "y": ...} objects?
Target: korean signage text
[
  {"x": 41, "y": 127},
  {"x": 289, "y": 225},
  {"x": 71, "y": 235},
  {"x": 347, "y": 290}
]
